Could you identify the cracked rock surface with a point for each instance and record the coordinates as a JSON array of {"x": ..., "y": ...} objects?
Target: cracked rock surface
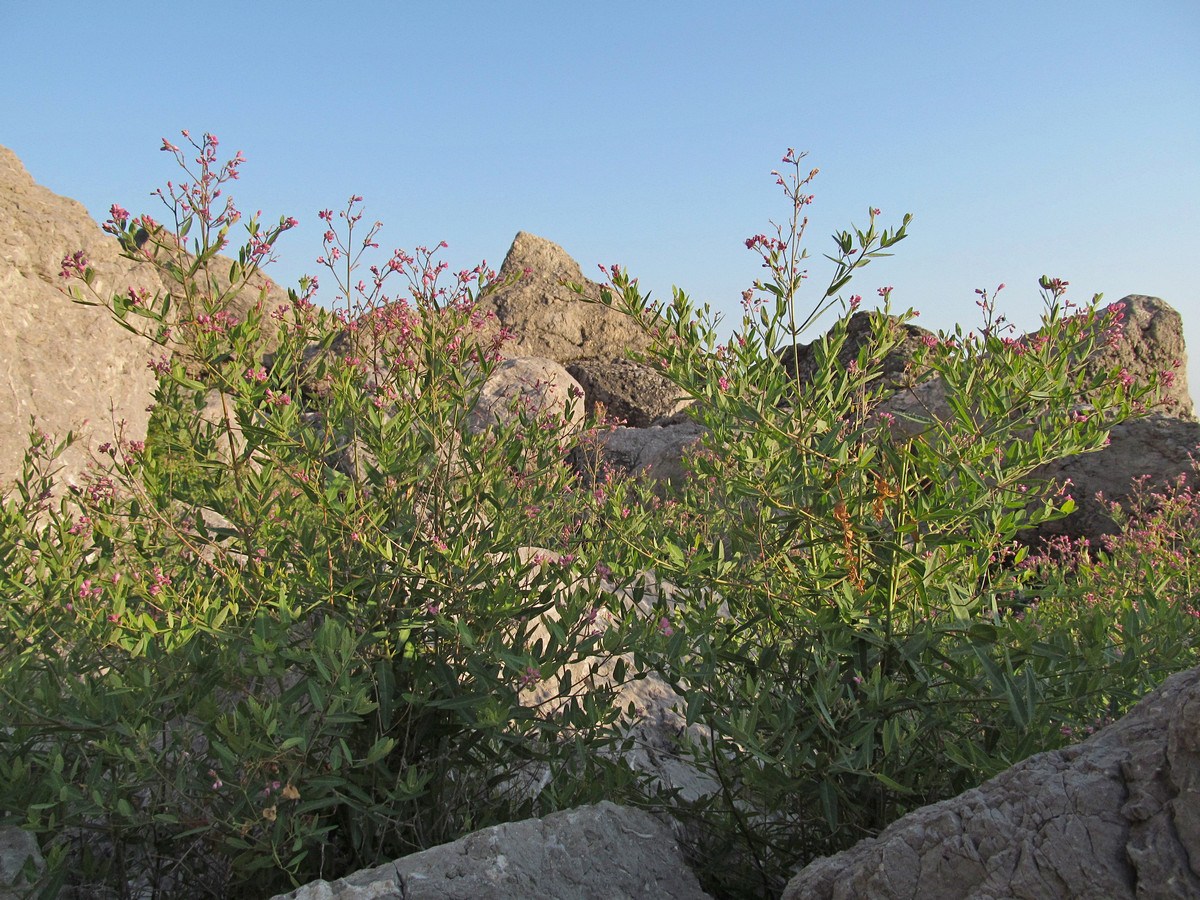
[
  {"x": 1117, "y": 816},
  {"x": 601, "y": 852}
]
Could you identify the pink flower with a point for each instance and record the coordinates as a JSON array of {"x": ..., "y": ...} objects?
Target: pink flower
[
  {"x": 74, "y": 264},
  {"x": 664, "y": 627}
]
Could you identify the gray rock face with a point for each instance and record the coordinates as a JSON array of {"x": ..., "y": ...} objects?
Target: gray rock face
[
  {"x": 16, "y": 847},
  {"x": 538, "y": 386},
  {"x": 549, "y": 320},
  {"x": 601, "y": 852},
  {"x": 1116, "y": 816},
  {"x": 1158, "y": 446},
  {"x": 70, "y": 366},
  {"x": 628, "y": 391},
  {"x": 656, "y": 452},
  {"x": 801, "y": 361},
  {"x": 1151, "y": 341}
]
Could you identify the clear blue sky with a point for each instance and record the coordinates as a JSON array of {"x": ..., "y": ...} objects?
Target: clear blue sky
[{"x": 1027, "y": 138}]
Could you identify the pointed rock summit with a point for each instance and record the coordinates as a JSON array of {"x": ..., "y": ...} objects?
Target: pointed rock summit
[{"x": 550, "y": 320}]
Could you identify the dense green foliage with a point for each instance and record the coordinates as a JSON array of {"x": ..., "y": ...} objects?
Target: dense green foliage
[{"x": 323, "y": 616}]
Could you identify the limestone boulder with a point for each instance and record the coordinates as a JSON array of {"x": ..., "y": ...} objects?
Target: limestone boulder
[
  {"x": 68, "y": 366},
  {"x": 547, "y": 319},
  {"x": 655, "y": 452},
  {"x": 1150, "y": 341},
  {"x": 1117, "y": 816},
  {"x": 627, "y": 391},
  {"x": 530, "y": 385},
  {"x": 1147, "y": 340},
  {"x": 600, "y": 852},
  {"x": 652, "y": 716},
  {"x": 1158, "y": 446}
]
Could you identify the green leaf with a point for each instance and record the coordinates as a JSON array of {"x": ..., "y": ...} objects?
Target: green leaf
[
  {"x": 379, "y": 750},
  {"x": 829, "y": 803}
]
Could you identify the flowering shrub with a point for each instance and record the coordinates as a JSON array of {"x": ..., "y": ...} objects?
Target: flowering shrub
[
  {"x": 292, "y": 633},
  {"x": 1132, "y": 605},
  {"x": 853, "y": 641},
  {"x": 327, "y": 613}
]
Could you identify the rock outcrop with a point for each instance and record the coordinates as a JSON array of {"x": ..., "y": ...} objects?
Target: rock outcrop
[
  {"x": 546, "y": 318},
  {"x": 18, "y": 848},
  {"x": 628, "y": 392},
  {"x": 1157, "y": 446},
  {"x": 601, "y": 852},
  {"x": 535, "y": 386},
  {"x": 1151, "y": 342},
  {"x": 655, "y": 452},
  {"x": 68, "y": 366},
  {"x": 71, "y": 367},
  {"x": 801, "y": 361},
  {"x": 1115, "y": 816}
]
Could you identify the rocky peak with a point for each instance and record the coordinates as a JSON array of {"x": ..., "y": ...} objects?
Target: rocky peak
[{"x": 550, "y": 320}]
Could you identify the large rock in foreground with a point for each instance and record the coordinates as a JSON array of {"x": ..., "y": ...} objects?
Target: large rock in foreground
[
  {"x": 1117, "y": 816},
  {"x": 601, "y": 852}
]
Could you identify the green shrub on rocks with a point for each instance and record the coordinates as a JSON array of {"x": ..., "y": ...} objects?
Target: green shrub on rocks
[
  {"x": 293, "y": 635},
  {"x": 860, "y": 638},
  {"x": 320, "y": 618}
]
